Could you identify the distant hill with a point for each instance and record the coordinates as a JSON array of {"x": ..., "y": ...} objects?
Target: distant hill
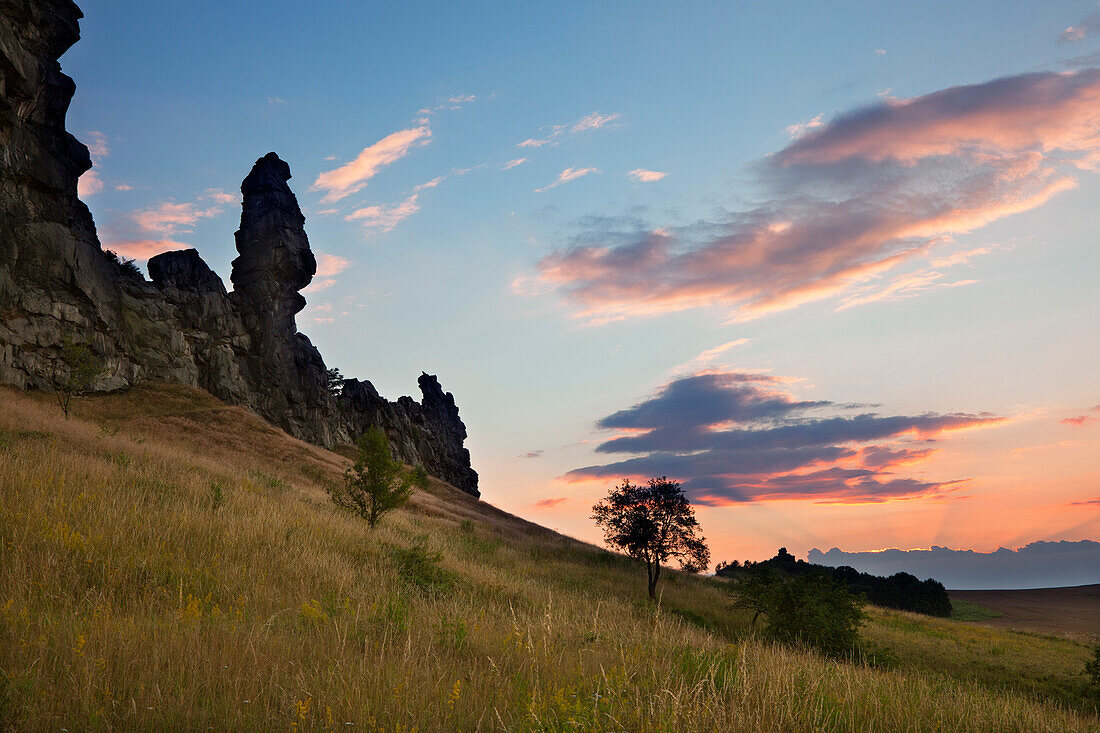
[
  {"x": 1037, "y": 565},
  {"x": 902, "y": 591}
]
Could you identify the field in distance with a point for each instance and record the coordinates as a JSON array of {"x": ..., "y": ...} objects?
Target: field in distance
[{"x": 1071, "y": 611}]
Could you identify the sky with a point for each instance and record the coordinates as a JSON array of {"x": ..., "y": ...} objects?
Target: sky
[{"x": 831, "y": 267}]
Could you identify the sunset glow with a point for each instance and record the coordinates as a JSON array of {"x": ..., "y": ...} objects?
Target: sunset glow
[{"x": 833, "y": 269}]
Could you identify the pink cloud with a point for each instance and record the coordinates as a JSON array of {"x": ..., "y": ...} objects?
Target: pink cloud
[
  {"x": 353, "y": 176},
  {"x": 567, "y": 175},
  {"x": 513, "y": 163},
  {"x": 593, "y": 121},
  {"x": 222, "y": 197},
  {"x": 1042, "y": 112},
  {"x": 331, "y": 265},
  {"x": 432, "y": 183},
  {"x": 1079, "y": 420},
  {"x": 328, "y": 267},
  {"x": 643, "y": 176},
  {"x": 1087, "y": 26},
  {"x": 708, "y": 356},
  {"x": 88, "y": 184},
  {"x": 383, "y": 218},
  {"x": 170, "y": 218},
  {"x": 852, "y": 205},
  {"x": 143, "y": 249},
  {"x": 98, "y": 148},
  {"x": 150, "y": 231},
  {"x": 549, "y": 503},
  {"x": 801, "y": 129}
]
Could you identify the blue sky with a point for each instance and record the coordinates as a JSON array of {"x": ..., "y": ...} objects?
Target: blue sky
[{"x": 456, "y": 276}]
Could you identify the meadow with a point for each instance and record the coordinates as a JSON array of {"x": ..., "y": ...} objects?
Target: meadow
[{"x": 168, "y": 562}]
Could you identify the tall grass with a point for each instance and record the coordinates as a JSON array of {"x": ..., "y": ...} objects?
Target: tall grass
[{"x": 170, "y": 563}]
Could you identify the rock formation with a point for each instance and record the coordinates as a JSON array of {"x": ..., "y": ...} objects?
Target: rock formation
[{"x": 57, "y": 283}]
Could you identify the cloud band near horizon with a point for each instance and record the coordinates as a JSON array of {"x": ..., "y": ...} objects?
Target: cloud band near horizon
[{"x": 733, "y": 437}]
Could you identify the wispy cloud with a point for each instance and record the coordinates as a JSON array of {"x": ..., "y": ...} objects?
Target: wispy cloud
[
  {"x": 644, "y": 176},
  {"x": 171, "y": 218},
  {"x": 429, "y": 184},
  {"x": 594, "y": 121},
  {"x": 328, "y": 267},
  {"x": 901, "y": 288},
  {"x": 453, "y": 102},
  {"x": 734, "y": 436},
  {"x": 146, "y": 232},
  {"x": 382, "y": 218},
  {"x": 549, "y": 503},
  {"x": 89, "y": 182},
  {"x": 862, "y": 198},
  {"x": 567, "y": 175},
  {"x": 1082, "y": 420},
  {"x": 532, "y": 454},
  {"x": 97, "y": 145},
  {"x": 143, "y": 249},
  {"x": 353, "y": 176},
  {"x": 222, "y": 197},
  {"x": 513, "y": 163},
  {"x": 1084, "y": 28},
  {"x": 707, "y": 357},
  {"x": 800, "y": 129}
]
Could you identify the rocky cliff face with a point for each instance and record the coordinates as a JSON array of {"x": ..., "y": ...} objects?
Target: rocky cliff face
[{"x": 243, "y": 346}]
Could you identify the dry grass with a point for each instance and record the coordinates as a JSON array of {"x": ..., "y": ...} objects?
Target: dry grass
[{"x": 170, "y": 563}]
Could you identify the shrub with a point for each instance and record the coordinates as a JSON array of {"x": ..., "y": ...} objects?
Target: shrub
[
  {"x": 217, "y": 496},
  {"x": 1092, "y": 669},
  {"x": 74, "y": 372},
  {"x": 812, "y": 610},
  {"x": 419, "y": 566},
  {"x": 377, "y": 483},
  {"x": 127, "y": 265}
]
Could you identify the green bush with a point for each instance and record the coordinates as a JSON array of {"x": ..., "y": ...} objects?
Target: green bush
[
  {"x": 377, "y": 483},
  {"x": 419, "y": 566},
  {"x": 811, "y": 610},
  {"x": 1092, "y": 669}
]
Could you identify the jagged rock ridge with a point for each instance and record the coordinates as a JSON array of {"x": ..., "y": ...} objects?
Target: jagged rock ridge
[{"x": 243, "y": 346}]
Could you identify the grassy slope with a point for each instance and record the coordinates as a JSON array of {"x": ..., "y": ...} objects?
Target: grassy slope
[{"x": 131, "y": 596}]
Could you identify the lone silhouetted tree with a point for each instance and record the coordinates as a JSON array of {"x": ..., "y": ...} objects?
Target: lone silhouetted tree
[
  {"x": 74, "y": 372},
  {"x": 653, "y": 523},
  {"x": 377, "y": 483}
]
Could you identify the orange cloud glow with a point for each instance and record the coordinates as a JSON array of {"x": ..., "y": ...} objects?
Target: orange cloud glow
[
  {"x": 353, "y": 176},
  {"x": 902, "y": 176}
]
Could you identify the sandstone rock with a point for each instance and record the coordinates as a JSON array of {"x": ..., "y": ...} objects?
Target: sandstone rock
[
  {"x": 184, "y": 270},
  {"x": 242, "y": 346}
]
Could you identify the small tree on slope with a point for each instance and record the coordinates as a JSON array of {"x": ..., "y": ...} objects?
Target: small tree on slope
[
  {"x": 653, "y": 523},
  {"x": 75, "y": 372},
  {"x": 377, "y": 483}
]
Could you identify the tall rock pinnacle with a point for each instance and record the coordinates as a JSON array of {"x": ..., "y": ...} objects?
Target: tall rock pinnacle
[{"x": 275, "y": 260}]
